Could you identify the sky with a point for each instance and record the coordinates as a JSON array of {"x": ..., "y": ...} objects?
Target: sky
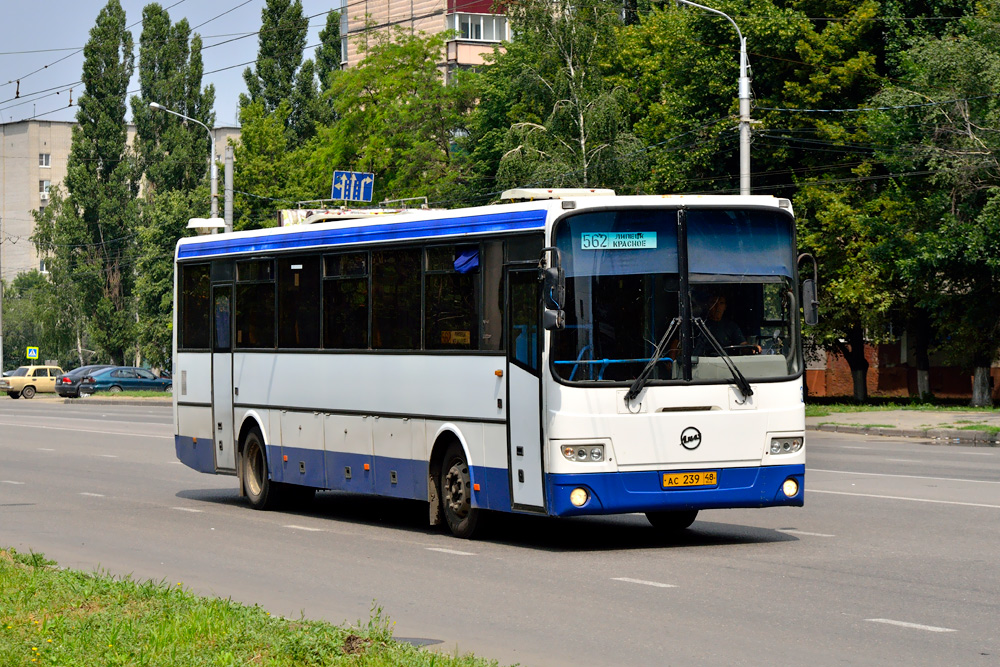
[{"x": 41, "y": 44}]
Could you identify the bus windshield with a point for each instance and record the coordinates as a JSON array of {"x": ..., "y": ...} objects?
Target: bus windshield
[{"x": 623, "y": 291}]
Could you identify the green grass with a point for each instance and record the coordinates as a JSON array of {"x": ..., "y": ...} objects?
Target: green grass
[
  {"x": 50, "y": 616},
  {"x": 817, "y": 409},
  {"x": 980, "y": 427},
  {"x": 133, "y": 394}
]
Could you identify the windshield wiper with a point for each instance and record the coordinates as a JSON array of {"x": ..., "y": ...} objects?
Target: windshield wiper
[
  {"x": 661, "y": 347},
  {"x": 741, "y": 381}
]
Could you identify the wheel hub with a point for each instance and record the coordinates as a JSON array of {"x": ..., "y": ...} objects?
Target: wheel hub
[{"x": 456, "y": 490}]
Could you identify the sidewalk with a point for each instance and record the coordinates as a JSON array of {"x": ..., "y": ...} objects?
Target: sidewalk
[{"x": 955, "y": 427}]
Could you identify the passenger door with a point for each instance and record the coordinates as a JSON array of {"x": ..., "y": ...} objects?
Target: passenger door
[
  {"x": 222, "y": 376},
  {"x": 524, "y": 395}
]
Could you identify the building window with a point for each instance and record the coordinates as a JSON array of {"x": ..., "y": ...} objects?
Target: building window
[
  {"x": 44, "y": 160},
  {"x": 43, "y": 189},
  {"x": 480, "y": 27},
  {"x": 41, "y": 266}
]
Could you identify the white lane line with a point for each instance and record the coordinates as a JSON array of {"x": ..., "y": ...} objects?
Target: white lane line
[
  {"x": 311, "y": 530},
  {"x": 976, "y": 453},
  {"x": 85, "y": 430},
  {"x": 846, "y": 447},
  {"x": 906, "y": 460},
  {"x": 915, "y": 626},
  {"x": 916, "y": 500},
  {"x": 792, "y": 531},
  {"x": 657, "y": 584},
  {"x": 186, "y": 509},
  {"x": 10, "y": 481},
  {"x": 882, "y": 474},
  {"x": 109, "y": 456},
  {"x": 92, "y": 495},
  {"x": 45, "y": 449},
  {"x": 453, "y": 552}
]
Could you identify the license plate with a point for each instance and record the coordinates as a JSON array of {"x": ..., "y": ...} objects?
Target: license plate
[{"x": 673, "y": 480}]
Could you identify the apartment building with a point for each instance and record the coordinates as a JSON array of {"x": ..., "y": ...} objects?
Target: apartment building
[
  {"x": 477, "y": 28},
  {"x": 33, "y": 157}
]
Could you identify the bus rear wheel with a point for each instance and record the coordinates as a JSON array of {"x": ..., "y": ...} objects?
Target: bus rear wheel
[
  {"x": 672, "y": 521},
  {"x": 262, "y": 493},
  {"x": 456, "y": 494}
]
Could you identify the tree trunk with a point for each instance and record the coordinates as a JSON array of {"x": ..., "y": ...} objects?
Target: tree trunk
[
  {"x": 921, "y": 344},
  {"x": 854, "y": 352},
  {"x": 923, "y": 384},
  {"x": 981, "y": 387},
  {"x": 860, "y": 378}
]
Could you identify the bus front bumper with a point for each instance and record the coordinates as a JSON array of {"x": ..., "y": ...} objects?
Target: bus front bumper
[{"x": 625, "y": 492}]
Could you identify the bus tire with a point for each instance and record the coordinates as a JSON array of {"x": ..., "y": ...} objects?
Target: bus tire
[
  {"x": 28, "y": 392},
  {"x": 456, "y": 493},
  {"x": 262, "y": 493},
  {"x": 672, "y": 521}
]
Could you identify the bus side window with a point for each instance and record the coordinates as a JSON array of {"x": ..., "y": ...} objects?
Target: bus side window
[
  {"x": 195, "y": 308},
  {"x": 345, "y": 301},
  {"x": 451, "y": 293},
  {"x": 396, "y": 278},
  {"x": 298, "y": 302},
  {"x": 492, "y": 301},
  {"x": 255, "y": 304}
]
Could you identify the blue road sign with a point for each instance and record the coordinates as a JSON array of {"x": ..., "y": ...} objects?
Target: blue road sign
[
  {"x": 32, "y": 353},
  {"x": 352, "y": 186}
]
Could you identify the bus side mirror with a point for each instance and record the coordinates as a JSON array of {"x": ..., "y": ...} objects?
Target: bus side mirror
[
  {"x": 553, "y": 319},
  {"x": 810, "y": 306}
]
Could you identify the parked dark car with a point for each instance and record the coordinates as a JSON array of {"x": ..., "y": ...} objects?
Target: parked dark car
[
  {"x": 68, "y": 384},
  {"x": 123, "y": 378}
]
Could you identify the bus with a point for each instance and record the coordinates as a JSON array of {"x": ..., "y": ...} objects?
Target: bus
[{"x": 568, "y": 353}]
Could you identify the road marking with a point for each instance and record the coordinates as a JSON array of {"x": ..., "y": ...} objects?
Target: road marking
[
  {"x": 451, "y": 551},
  {"x": 916, "y": 500},
  {"x": 657, "y": 584},
  {"x": 10, "y": 481},
  {"x": 84, "y": 430},
  {"x": 109, "y": 456},
  {"x": 45, "y": 449},
  {"x": 977, "y": 453},
  {"x": 311, "y": 530},
  {"x": 93, "y": 495},
  {"x": 907, "y": 460},
  {"x": 792, "y": 531},
  {"x": 882, "y": 474},
  {"x": 846, "y": 447},
  {"x": 904, "y": 624},
  {"x": 186, "y": 509}
]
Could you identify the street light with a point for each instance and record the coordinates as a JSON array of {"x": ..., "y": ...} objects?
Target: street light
[
  {"x": 211, "y": 158},
  {"x": 744, "y": 93}
]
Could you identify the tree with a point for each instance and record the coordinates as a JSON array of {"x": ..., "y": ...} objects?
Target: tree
[
  {"x": 328, "y": 53},
  {"x": 32, "y": 316},
  {"x": 170, "y": 150},
  {"x": 263, "y": 166},
  {"x": 90, "y": 234},
  {"x": 576, "y": 131}
]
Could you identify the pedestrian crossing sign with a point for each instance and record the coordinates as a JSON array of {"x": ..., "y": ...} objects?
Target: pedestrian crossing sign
[{"x": 32, "y": 353}]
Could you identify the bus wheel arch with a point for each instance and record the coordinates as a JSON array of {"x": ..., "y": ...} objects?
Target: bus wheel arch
[{"x": 251, "y": 465}]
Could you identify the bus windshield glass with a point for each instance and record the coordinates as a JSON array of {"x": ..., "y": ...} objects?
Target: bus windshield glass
[{"x": 623, "y": 291}]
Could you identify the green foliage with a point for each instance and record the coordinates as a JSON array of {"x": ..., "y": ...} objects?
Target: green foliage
[
  {"x": 33, "y": 316},
  {"x": 328, "y": 51},
  {"x": 264, "y": 169},
  {"x": 570, "y": 127}
]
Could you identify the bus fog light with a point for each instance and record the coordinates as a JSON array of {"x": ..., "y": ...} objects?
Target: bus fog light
[
  {"x": 790, "y": 487},
  {"x": 579, "y": 496},
  {"x": 569, "y": 451}
]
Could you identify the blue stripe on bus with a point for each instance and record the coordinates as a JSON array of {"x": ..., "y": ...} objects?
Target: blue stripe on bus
[
  {"x": 195, "y": 453},
  {"x": 621, "y": 492},
  {"x": 475, "y": 224}
]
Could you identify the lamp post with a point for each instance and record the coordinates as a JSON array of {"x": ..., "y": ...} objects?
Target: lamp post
[
  {"x": 744, "y": 94},
  {"x": 211, "y": 158}
]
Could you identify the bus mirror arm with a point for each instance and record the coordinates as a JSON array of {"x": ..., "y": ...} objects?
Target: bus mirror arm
[
  {"x": 553, "y": 319},
  {"x": 810, "y": 304}
]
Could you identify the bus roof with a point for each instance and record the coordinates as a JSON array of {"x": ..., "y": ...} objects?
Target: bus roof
[{"x": 415, "y": 224}]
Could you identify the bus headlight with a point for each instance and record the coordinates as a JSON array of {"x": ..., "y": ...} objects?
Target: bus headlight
[
  {"x": 786, "y": 445},
  {"x": 583, "y": 453}
]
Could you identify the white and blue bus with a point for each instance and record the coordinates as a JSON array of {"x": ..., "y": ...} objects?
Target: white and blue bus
[{"x": 572, "y": 353}]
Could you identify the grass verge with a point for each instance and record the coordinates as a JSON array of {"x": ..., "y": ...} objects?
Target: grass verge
[
  {"x": 823, "y": 409},
  {"x": 132, "y": 394},
  {"x": 50, "y": 616}
]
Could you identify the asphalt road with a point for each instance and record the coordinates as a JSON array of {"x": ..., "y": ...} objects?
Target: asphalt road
[{"x": 894, "y": 559}]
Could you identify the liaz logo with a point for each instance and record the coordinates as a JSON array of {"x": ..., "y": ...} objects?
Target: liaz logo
[{"x": 690, "y": 438}]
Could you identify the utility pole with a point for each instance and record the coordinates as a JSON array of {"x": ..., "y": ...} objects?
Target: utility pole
[
  {"x": 228, "y": 207},
  {"x": 744, "y": 96}
]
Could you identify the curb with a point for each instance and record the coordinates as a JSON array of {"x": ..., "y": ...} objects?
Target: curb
[
  {"x": 118, "y": 401},
  {"x": 948, "y": 437}
]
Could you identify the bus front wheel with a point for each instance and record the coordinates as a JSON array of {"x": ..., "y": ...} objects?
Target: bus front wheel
[
  {"x": 672, "y": 521},
  {"x": 456, "y": 494},
  {"x": 261, "y": 491}
]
